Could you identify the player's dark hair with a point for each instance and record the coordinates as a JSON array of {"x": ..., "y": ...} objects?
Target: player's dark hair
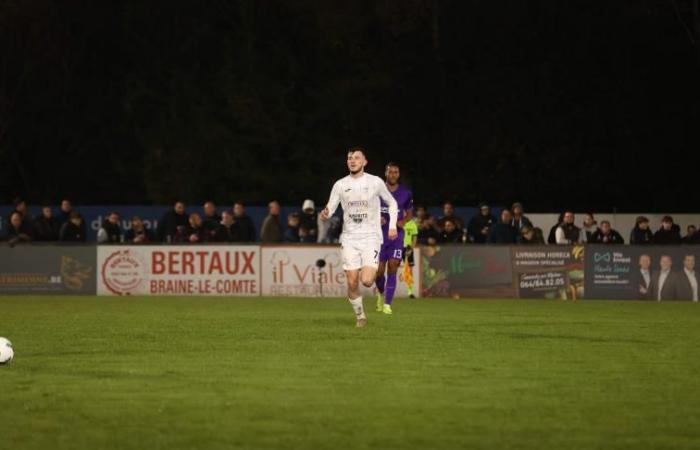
[
  {"x": 391, "y": 164},
  {"x": 358, "y": 149}
]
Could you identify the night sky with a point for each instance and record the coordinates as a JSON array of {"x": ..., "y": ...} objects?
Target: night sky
[{"x": 559, "y": 104}]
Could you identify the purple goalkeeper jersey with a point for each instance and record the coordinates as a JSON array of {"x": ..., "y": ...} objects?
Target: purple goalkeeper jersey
[{"x": 404, "y": 198}]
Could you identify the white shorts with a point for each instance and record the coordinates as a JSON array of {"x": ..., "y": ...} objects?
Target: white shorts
[{"x": 358, "y": 254}]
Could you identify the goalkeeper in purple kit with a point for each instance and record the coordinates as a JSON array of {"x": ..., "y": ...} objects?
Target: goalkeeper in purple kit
[{"x": 391, "y": 252}]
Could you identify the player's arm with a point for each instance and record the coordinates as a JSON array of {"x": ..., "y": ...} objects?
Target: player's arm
[
  {"x": 407, "y": 213},
  {"x": 333, "y": 202},
  {"x": 389, "y": 199}
]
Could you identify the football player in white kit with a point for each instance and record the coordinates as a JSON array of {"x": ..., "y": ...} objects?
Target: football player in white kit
[{"x": 359, "y": 194}]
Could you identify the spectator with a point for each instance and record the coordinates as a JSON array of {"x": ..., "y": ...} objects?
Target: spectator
[
  {"x": 606, "y": 235},
  {"x": 73, "y": 230},
  {"x": 245, "y": 229},
  {"x": 194, "y": 232},
  {"x": 530, "y": 236},
  {"x": 21, "y": 209},
  {"x": 519, "y": 220},
  {"x": 641, "y": 234},
  {"x": 665, "y": 283},
  {"x": 688, "y": 286},
  {"x": 480, "y": 224},
  {"x": 334, "y": 229},
  {"x": 18, "y": 230},
  {"x": 691, "y": 236},
  {"x": 226, "y": 231},
  {"x": 427, "y": 229},
  {"x": 552, "y": 238},
  {"x": 291, "y": 233},
  {"x": 309, "y": 218},
  {"x": 590, "y": 226},
  {"x": 305, "y": 236},
  {"x": 46, "y": 226},
  {"x": 669, "y": 233},
  {"x": 503, "y": 232},
  {"x": 173, "y": 223},
  {"x": 211, "y": 219},
  {"x": 568, "y": 233},
  {"x": 450, "y": 234},
  {"x": 448, "y": 211},
  {"x": 64, "y": 213},
  {"x": 110, "y": 231},
  {"x": 271, "y": 230},
  {"x": 138, "y": 233}
]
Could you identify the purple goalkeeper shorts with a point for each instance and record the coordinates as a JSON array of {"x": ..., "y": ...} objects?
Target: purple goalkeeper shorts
[{"x": 391, "y": 249}]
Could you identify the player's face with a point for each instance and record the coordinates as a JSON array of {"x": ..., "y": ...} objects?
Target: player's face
[
  {"x": 392, "y": 175},
  {"x": 356, "y": 162}
]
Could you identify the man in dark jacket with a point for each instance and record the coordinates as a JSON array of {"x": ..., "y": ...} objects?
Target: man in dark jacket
[
  {"x": 138, "y": 233},
  {"x": 110, "y": 232},
  {"x": 480, "y": 224},
  {"x": 691, "y": 236},
  {"x": 211, "y": 219},
  {"x": 194, "y": 232},
  {"x": 641, "y": 234},
  {"x": 503, "y": 232},
  {"x": 669, "y": 233},
  {"x": 21, "y": 209},
  {"x": 450, "y": 234},
  {"x": 530, "y": 236},
  {"x": 606, "y": 235},
  {"x": 226, "y": 231},
  {"x": 46, "y": 226},
  {"x": 665, "y": 284},
  {"x": 72, "y": 231},
  {"x": 173, "y": 223},
  {"x": 245, "y": 229},
  {"x": 18, "y": 230},
  {"x": 291, "y": 233},
  {"x": 519, "y": 220},
  {"x": 448, "y": 213}
]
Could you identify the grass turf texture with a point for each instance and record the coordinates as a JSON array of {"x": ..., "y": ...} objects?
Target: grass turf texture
[{"x": 176, "y": 373}]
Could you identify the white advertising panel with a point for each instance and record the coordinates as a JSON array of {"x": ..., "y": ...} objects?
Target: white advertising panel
[
  {"x": 293, "y": 271},
  {"x": 179, "y": 270}
]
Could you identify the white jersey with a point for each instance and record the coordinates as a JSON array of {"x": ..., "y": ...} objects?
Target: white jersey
[{"x": 359, "y": 198}]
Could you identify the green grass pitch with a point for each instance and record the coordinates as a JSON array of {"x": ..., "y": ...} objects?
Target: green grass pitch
[{"x": 203, "y": 373}]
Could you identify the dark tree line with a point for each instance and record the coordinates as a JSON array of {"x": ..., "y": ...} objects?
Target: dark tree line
[{"x": 590, "y": 105}]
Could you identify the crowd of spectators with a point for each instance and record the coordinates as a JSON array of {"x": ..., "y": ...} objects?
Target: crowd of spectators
[{"x": 214, "y": 224}]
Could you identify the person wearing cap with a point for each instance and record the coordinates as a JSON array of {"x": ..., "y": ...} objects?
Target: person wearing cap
[
  {"x": 519, "y": 220},
  {"x": 308, "y": 218},
  {"x": 641, "y": 234},
  {"x": 480, "y": 224}
]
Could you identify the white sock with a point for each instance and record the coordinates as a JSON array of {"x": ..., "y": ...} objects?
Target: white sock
[{"x": 357, "y": 306}]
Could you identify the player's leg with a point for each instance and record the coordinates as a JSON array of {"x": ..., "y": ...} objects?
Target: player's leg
[
  {"x": 395, "y": 255},
  {"x": 352, "y": 262},
  {"x": 370, "y": 262},
  {"x": 380, "y": 280}
]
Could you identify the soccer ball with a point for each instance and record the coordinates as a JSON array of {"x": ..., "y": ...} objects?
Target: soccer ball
[{"x": 6, "y": 352}]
